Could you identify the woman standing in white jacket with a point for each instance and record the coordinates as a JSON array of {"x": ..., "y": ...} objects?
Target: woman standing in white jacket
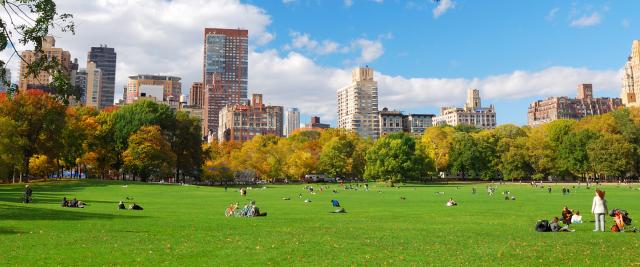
[{"x": 599, "y": 208}]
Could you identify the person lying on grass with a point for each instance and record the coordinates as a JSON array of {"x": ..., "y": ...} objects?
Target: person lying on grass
[
  {"x": 451, "y": 202},
  {"x": 74, "y": 203},
  {"x": 555, "y": 226},
  {"x": 231, "y": 209},
  {"x": 121, "y": 206},
  {"x": 135, "y": 206}
]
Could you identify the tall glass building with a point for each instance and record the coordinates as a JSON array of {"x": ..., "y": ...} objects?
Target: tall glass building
[
  {"x": 224, "y": 72},
  {"x": 105, "y": 59}
]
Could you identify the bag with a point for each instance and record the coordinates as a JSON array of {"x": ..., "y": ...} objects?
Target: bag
[
  {"x": 615, "y": 228},
  {"x": 543, "y": 226}
]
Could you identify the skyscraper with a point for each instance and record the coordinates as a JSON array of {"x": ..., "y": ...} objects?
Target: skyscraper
[
  {"x": 105, "y": 59},
  {"x": 631, "y": 77},
  {"x": 292, "y": 121},
  {"x": 93, "y": 94},
  {"x": 224, "y": 73},
  {"x": 358, "y": 104}
]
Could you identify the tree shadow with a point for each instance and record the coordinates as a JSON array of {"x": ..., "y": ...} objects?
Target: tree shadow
[
  {"x": 10, "y": 231},
  {"x": 25, "y": 213}
]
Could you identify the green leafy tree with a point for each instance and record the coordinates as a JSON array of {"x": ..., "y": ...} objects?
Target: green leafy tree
[
  {"x": 514, "y": 164},
  {"x": 186, "y": 143},
  {"x": 149, "y": 154},
  {"x": 611, "y": 155},
  {"x": 464, "y": 156},
  {"x": 395, "y": 158}
]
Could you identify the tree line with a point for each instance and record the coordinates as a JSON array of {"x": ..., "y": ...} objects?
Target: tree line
[{"x": 40, "y": 136}]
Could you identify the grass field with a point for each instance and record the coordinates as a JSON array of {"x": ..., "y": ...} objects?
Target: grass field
[{"x": 185, "y": 225}]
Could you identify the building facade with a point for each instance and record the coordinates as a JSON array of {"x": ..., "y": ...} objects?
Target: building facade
[
  {"x": 105, "y": 59},
  {"x": 224, "y": 73},
  {"x": 631, "y": 77},
  {"x": 42, "y": 79},
  {"x": 554, "y": 108},
  {"x": 472, "y": 113},
  {"x": 93, "y": 85},
  {"x": 4, "y": 86},
  {"x": 358, "y": 104},
  {"x": 241, "y": 122},
  {"x": 292, "y": 121},
  {"x": 159, "y": 86},
  {"x": 196, "y": 95},
  {"x": 392, "y": 121},
  {"x": 315, "y": 124}
]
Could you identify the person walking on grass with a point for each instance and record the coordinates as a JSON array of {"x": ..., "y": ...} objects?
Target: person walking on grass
[{"x": 599, "y": 209}]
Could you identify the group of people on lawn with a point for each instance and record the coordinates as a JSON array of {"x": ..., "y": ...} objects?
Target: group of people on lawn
[
  {"x": 249, "y": 210},
  {"x": 598, "y": 208},
  {"x": 74, "y": 203}
]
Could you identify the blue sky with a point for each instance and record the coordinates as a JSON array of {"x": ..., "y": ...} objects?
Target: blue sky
[
  {"x": 425, "y": 54},
  {"x": 473, "y": 39}
]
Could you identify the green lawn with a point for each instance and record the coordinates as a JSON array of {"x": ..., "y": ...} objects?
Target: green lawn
[{"x": 185, "y": 225}]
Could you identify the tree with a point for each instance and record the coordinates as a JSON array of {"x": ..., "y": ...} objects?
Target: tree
[
  {"x": 186, "y": 143},
  {"x": 40, "y": 119},
  {"x": 611, "y": 155},
  {"x": 513, "y": 158},
  {"x": 437, "y": 143},
  {"x": 573, "y": 152},
  {"x": 540, "y": 153},
  {"x": 395, "y": 158},
  {"x": 464, "y": 157},
  {"x": 489, "y": 159},
  {"x": 41, "y": 166},
  {"x": 10, "y": 142},
  {"x": 335, "y": 159},
  {"x": 149, "y": 154},
  {"x": 27, "y": 23}
]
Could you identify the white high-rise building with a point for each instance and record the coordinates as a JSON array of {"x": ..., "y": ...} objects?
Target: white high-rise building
[
  {"x": 472, "y": 114},
  {"x": 631, "y": 77},
  {"x": 292, "y": 121},
  {"x": 358, "y": 104},
  {"x": 94, "y": 85}
]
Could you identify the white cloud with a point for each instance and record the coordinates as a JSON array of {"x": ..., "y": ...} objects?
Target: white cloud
[
  {"x": 370, "y": 50},
  {"x": 586, "y": 21},
  {"x": 626, "y": 23},
  {"x": 288, "y": 1},
  {"x": 348, "y": 3},
  {"x": 303, "y": 41},
  {"x": 552, "y": 14},
  {"x": 443, "y": 7}
]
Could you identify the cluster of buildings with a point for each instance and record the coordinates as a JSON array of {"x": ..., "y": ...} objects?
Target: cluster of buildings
[
  {"x": 221, "y": 100},
  {"x": 358, "y": 111},
  {"x": 96, "y": 80}
]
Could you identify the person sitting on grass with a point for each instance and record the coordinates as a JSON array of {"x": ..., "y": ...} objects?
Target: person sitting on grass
[
  {"x": 135, "y": 206},
  {"x": 335, "y": 203},
  {"x": 555, "y": 227},
  {"x": 451, "y": 203},
  {"x": 230, "y": 210},
  {"x": 566, "y": 215},
  {"x": 576, "y": 218},
  {"x": 65, "y": 202},
  {"x": 74, "y": 203},
  {"x": 121, "y": 206},
  {"x": 254, "y": 211}
]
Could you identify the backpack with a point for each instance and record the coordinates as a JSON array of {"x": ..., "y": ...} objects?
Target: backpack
[{"x": 543, "y": 226}]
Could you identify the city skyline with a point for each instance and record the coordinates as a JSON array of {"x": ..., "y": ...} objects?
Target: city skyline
[{"x": 530, "y": 53}]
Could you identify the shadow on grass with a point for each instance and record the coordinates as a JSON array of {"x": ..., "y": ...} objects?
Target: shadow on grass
[
  {"x": 9, "y": 231},
  {"x": 25, "y": 213}
]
